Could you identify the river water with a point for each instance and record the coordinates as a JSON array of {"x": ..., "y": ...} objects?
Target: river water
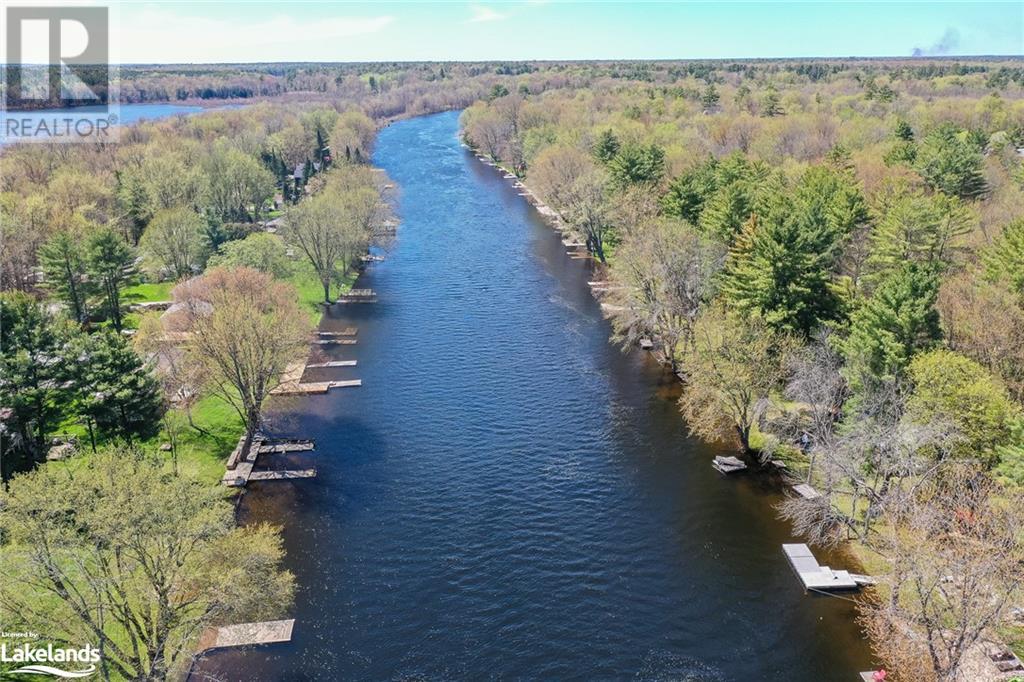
[{"x": 508, "y": 495}]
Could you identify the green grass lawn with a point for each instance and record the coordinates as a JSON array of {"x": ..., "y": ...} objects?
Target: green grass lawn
[
  {"x": 198, "y": 454},
  {"x": 147, "y": 292},
  {"x": 311, "y": 292}
]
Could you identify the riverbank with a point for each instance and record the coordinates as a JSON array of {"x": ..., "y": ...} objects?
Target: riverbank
[{"x": 507, "y": 486}]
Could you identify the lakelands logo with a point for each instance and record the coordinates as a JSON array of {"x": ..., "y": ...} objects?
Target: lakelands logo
[
  {"x": 39, "y": 660},
  {"x": 59, "y": 80}
]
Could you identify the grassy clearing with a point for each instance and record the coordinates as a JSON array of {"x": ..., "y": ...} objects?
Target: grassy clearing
[
  {"x": 147, "y": 292},
  {"x": 311, "y": 292}
]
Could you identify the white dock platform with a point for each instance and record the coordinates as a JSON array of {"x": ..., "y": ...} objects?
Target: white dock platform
[
  {"x": 814, "y": 576},
  {"x": 247, "y": 634}
]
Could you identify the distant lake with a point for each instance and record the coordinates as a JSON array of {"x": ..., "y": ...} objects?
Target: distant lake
[{"x": 127, "y": 114}]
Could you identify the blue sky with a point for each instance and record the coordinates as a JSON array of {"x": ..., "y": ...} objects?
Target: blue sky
[{"x": 398, "y": 31}]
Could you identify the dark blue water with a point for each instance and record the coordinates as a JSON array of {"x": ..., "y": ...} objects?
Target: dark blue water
[{"x": 508, "y": 496}]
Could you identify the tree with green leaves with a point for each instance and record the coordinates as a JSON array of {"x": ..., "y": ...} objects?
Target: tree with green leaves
[
  {"x": 176, "y": 242},
  {"x": 771, "y": 104},
  {"x": 1004, "y": 258},
  {"x": 114, "y": 390},
  {"x": 781, "y": 266},
  {"x": 688, "y": 192},
  {"x": 260, "y": 251},
  {"x": 64, "y": 268},
  {"x": 887, "y": 329},
  {"x": 32, "y": 378},
  {"x": 732, "y": 367},
  {"x": 607, "y": 146},
  {"x": 953, "y": 388},
  {"x": 949, "y": 161},
  {"x": 109, "y": 262},
  {"x": 709, "y": 98},
  {"x": 139, "y": 561},
  {"x": 636, "y": 164},
  {"x": 919, "y": 228}
]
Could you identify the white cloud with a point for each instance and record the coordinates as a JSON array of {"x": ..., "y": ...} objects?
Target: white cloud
[
  {"x": 484, "y": 13},
  {"x": 157, "y": 35}
]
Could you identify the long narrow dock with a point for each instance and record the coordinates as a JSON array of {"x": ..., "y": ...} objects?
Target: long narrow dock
[
  {"x": 347, "y": 331},
  {"x": 334, "y": 342},
  {"x": 332, "y": 363},
  {"x": 281, "y": 475},
  {"x": 280, "y": 447},
  {"x": 246, "y": 634},
  {"x": 813, "y": 575}
]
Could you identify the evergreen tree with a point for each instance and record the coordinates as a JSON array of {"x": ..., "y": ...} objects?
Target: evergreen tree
[
  {"x": 771, "y": 104},
  {"x": 108, "y": 262},
  {"x": 32, "y": 378},
  {"x": 115, "y": 390},
  {"x": 637, "y": 164},
  {"x": 710, "y": 97},
  {"x": 1004, "y": 259},
  {"x": 886, "y": 331},
  {"x": 950, "y": 162},
  {"x": 781, "y": 266},
  {"x": 914, "y": 227},
  {"x": 727, "y": 210},
  {"x": 64, "y": 268},
  {"x": 903, "y": 131},
  {"x": 607, "y": 146},
  {"x": 687, "y": 193}
]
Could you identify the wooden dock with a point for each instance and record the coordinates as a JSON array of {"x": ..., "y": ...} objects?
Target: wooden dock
[
  {"x": 813, "y": 575},
  {"x": 280, "y": 447},
  {"x": 314, "y": 387},
  {"x": 359, "y": 296},
  {"x": 805, "y": 491},
  {"x": 334, "y": 342},
  {"x": 728, "y": 465},
  {"x": 347, "y": 331},
  {"x": 646, "y": 344},
  {"x": 332, "y": 363},
  {"x": 246, "y": 634},
  {"x": 281, "y": 475}
]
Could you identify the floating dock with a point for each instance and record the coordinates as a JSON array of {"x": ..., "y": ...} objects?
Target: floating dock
[
  {"x": 646, "y": 344},
  {"x": 246, "y": 634},
  {"x": 813, "y": 575},
  {"x": 332, "y": 363}
]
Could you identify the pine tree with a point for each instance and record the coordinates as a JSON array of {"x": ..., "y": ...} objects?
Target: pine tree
[
  {"x": 115, "y": 390},
  {"x": 687, "y": 193},
  {"x": 951, "y": 162},
  {"x": 898, "y": 320},
  {"x": 607, "y": 146},
  {"x": 108, "y": 262},
  {"x": 781, "y": 264},
  {"x": 1004, "y": 259},
  {"x": 64, "y": 268},
  {"x": 710, "y": 98},
  {"x": 914, "y": 227}
]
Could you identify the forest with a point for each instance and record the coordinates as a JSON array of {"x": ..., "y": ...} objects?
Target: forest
[{"x": 828, "y": 254}]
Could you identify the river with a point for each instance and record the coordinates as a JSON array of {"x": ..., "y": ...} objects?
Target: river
[{"x": 508, "y": 495}]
